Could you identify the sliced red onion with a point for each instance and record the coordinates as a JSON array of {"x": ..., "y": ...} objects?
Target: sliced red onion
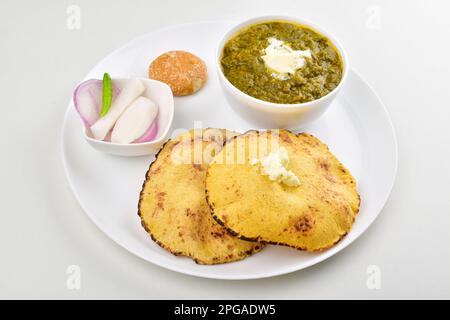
[
  {"x": 150, "y": 134},
  {"x": 108, "y": 137},
  {"x": 87, "y": 99}
]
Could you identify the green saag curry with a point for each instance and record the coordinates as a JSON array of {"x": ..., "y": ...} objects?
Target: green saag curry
[{"x": 244, "y": 67}]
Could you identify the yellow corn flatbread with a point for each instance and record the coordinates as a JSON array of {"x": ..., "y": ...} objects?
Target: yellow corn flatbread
[
  {"x": 312, "y": 216},
  {"x": 172, "y": 205}
]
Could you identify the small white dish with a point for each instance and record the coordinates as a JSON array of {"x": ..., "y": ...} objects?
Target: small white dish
[
  {"x": 276, "y": 115},
  {"x": 160, "y": 93}
]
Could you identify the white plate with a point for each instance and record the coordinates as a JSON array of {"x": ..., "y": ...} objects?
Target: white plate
[{"x": 357, "y": 129}]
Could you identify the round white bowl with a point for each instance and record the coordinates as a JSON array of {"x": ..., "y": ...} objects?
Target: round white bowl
[
  {"x": 160, "y": 93},
  {"x": 277, "y": 115}
]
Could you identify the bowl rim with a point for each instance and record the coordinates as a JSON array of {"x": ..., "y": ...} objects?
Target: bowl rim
[
  {"x": 283, "y": 18},
  {"x": 140, "y": 144}
]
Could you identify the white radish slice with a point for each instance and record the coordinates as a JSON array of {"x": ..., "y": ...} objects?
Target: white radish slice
[
  {"x": 87, "y": 99},
  {"x": 132, "y": 89},
  {"x": 135, "y": 121}
]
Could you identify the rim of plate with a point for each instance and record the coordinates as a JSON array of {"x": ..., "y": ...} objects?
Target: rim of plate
[{"x": 278, "y": 272}]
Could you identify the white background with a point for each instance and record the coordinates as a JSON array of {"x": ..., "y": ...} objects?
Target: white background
[{"x": 43, "y": 230}]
